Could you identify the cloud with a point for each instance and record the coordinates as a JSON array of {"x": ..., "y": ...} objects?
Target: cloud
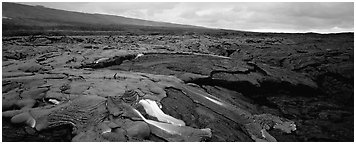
[{"x": 271, "y": 16}]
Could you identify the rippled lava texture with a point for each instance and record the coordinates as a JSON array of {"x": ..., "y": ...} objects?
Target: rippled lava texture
[{"x": 251, "y": 87}]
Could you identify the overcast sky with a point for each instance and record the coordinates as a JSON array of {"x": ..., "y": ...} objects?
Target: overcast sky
[{"x": 263, "y": 17}]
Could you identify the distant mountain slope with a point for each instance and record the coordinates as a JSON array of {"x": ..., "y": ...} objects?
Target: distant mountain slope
[{"x": 20, "y": 14}]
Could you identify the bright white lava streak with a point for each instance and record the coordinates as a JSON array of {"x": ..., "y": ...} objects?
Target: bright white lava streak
[
  {"x": 101, "y": 60},
  {"x": 54, "y": 101},
  {"x": 152, "y": 109},
  {"x": 215, "y": 101},
  {"x": 207, "y": 96},
  {"x": 31, "y": 122},
  {"x": 165, "y": 127},
  {"x": 177, "y": 130},
  {"x": 138, "y": 55}
]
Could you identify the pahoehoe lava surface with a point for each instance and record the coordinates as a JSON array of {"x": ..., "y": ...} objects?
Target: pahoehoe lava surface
[{"x": 190, "y": 87}]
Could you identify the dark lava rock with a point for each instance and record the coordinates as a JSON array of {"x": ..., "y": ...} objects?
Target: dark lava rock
[
  {"x": 106, "y": 62},
  {"x": 90, "y": 47},
  {"x": 33, "y": 68},
  {"x": 13, "y": 55},
  {"x": 258, "y": 81},
  {"x": 14, "y": 133},
  {"x": 307, "y": 78},
  {"x": 195, "y": 115}
]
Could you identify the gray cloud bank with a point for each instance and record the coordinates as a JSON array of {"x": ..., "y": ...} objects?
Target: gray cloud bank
[{"x": 264, "y": 17}]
